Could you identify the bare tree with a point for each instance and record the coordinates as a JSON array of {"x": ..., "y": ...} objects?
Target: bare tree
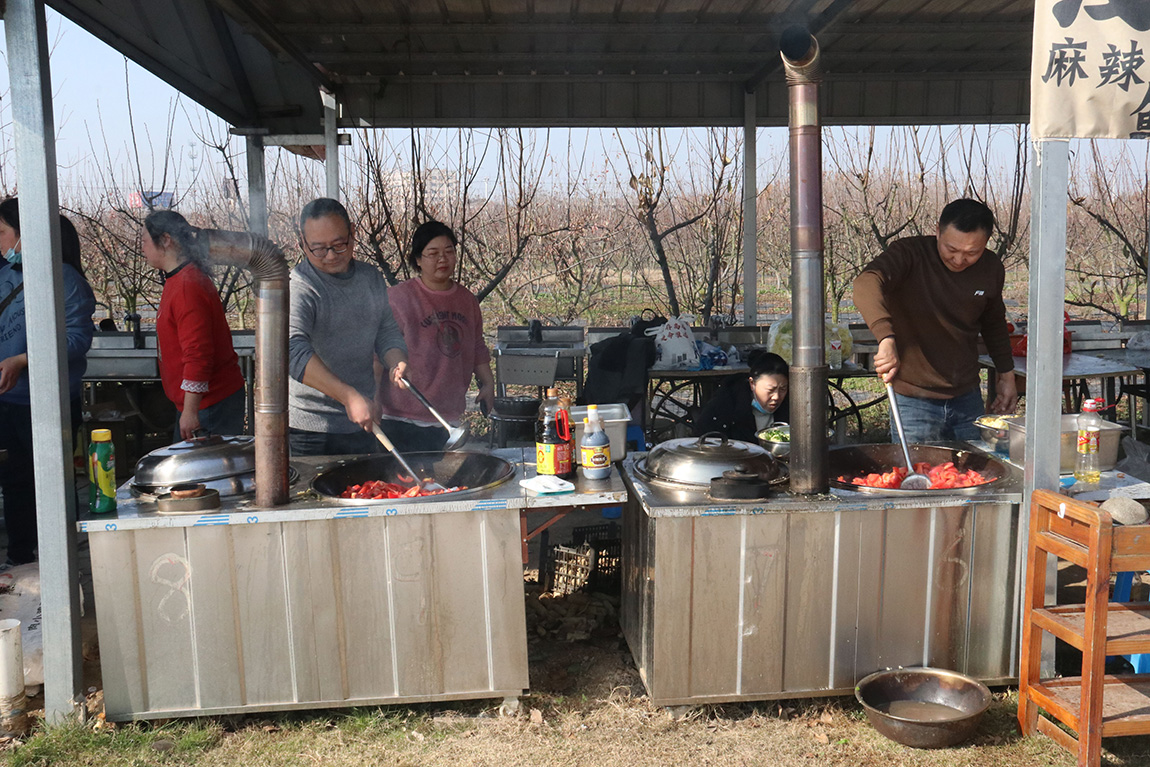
[
  {"x": 1107, "y": 229},
  {"x": 660, "y": 204},
  {"x": 874, "y": 195}
]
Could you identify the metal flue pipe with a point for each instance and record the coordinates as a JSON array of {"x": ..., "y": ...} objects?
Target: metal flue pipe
[
  {"x": 269, "y": 269},
  {"x": 808, "y": 461}
]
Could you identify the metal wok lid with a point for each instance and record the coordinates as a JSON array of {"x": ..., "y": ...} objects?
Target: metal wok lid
[
  {"x": 197, "y": 460},
  {"x": 698, "y": 460},
  {"x": 455, "y": 468},
  {"x": 857, "y": 460}
]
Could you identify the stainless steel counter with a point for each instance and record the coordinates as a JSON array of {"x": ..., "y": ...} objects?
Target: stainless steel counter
[
  {"x": 797, "y": 596},
  {"x": 319, "y": 603}
]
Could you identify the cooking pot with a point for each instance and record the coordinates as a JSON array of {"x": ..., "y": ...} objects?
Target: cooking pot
[
  {"x": 695, "y": 461},
  {"x": 517, "y": 407},
  {"x": 454, "y": 468},
  {"x": 224, "y": 464},
  {"x": 857, "y": 460}
]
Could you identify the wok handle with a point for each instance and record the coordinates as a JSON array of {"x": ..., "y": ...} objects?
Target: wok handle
[
  {"x": 378, "y": 432},
  {"x": 419, "y": 396}
]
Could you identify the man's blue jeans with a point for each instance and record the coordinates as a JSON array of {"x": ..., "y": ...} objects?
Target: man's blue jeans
[{"x": 939, "y": 420}]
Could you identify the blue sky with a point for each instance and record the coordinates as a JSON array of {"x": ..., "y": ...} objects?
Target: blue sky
[{"x": 91, "y": 83}]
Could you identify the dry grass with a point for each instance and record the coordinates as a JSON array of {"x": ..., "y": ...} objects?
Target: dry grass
[{"x": 589, "y": 709}]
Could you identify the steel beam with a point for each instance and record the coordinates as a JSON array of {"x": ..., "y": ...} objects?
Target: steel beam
[
  {"x": 34, "y": 131},
  {"x": 750, "y": 212},
  {"x": 331, "y": 144},
  {"x": 257, "y": 187},
  {"x": 1050, "y": 174}
]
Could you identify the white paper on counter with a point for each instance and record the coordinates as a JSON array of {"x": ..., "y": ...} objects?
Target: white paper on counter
[{"x": 547, "y": 484}]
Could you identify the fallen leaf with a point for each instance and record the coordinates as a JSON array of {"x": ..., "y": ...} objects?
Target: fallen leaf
[
  {"x": 826, "y": 717},
  {"x": 822, "y": 738},
  {"x": 536, "y": 716}
]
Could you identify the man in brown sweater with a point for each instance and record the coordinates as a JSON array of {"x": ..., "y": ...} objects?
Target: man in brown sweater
[{"x": 927, "y": 300}]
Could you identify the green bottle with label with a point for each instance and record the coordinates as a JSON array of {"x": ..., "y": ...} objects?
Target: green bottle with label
[{"x": 101, "y": 472}]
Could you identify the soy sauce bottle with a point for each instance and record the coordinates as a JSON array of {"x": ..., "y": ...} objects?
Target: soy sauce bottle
[{"x": 553, "y": 438}]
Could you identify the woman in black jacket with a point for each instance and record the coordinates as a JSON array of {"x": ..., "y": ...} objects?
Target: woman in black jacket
[{"x": 745, "y": 405}]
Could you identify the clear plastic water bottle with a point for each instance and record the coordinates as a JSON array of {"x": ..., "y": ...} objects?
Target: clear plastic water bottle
[
  {"x": 1086, "y": 466},
  {"x": 835, "y": 354}
]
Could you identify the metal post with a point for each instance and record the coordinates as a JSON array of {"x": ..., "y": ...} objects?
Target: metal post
[
  {"x": 808, "y": 461},
  {"x": 750, "y": 212},
  {"x": 331, "y": 144},
  {"x": 257, "y": 187},
  {"x": 35, "y": 143},
  {"x": 1050, "y": 176}
]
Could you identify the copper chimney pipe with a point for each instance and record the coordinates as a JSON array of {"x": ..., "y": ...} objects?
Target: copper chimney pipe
[
  {"x": 269, "y": 269},
  {"x": 808, "y": 461}
]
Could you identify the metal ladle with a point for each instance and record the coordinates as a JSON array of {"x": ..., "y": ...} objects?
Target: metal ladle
[
  {"x": 456, "y": 435},
  {"x": 913, "y": 480},
  {"x": 430, "y": 484}
]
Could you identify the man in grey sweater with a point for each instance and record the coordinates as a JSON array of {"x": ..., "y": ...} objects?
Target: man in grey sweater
[{"x": 340, "y": 317}]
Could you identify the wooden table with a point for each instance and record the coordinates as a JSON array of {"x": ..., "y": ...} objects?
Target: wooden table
[
  {"x": 1077, "y": 367},
  {"x": 677, "y": 395},
  {"x": 1139, "y": 358}
]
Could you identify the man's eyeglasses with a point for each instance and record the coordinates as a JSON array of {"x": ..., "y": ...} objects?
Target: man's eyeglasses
[{"x": 322, "y": 250}]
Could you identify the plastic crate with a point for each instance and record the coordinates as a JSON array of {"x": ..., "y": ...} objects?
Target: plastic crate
[
  {"x": 567, "y": 569},
  {"x": 594, "y": 533},
  {"x": 608, "y": 545}
]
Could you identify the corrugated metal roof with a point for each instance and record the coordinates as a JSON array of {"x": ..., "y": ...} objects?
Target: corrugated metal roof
[{"x": 578, "y": 62}]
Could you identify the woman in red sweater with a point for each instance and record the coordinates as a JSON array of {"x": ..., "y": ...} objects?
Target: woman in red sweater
[{"x": 198, "y": 366}]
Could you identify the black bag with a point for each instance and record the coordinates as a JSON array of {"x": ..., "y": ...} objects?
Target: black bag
[
  {"x": 643, "y": 323},
  {"x": 11, "y": 297}
]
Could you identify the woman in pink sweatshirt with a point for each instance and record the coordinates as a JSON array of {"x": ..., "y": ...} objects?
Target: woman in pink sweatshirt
[{"x": 443, "y": 327}]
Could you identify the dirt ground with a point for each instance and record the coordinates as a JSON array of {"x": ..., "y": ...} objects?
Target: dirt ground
[{"x": 587, "y": 706}]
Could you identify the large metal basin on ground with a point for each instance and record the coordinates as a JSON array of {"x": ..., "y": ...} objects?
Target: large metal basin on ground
[
  {"x": 793, "y": 596},
  {"x": 323, "y": 602}
]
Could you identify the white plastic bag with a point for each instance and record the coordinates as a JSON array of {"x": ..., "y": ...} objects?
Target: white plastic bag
[
  {"x": 675, "y": 346},
  {"x": 1140, "y": 340},
  {"x": 20, "y": 599},
  {"x": 780, "y": 338}
]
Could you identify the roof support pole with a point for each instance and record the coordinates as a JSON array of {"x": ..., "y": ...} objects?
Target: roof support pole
[
  {"x": 257, "y": 187},
  {"x": 331, "y": 144},
  {"x": 750, "y": 212},
  {"x": 35, "y": 143},
  {"x": 1050, "y": 174}
]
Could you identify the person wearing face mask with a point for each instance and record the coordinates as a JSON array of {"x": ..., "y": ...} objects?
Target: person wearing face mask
[
  {"x": 198, "y": 364},
  {"x": 443, "y": 327},
  {"x": 928, "y": 300},
  {"x": 17, "y": 483},
  {"x": 745, "y": 405}
]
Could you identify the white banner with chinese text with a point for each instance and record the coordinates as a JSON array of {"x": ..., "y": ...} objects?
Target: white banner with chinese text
[{"x": 1088, "y": 75}]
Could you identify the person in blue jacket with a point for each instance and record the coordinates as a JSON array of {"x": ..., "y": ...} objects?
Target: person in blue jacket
[{"x": 16, "y": 473}]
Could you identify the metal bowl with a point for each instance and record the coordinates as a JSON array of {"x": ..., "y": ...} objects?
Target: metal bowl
[
  {"x": 923, "y": 707},
  {"x": 782, "y": 449},
  {"x": 777, "y": 449},
  {"x": 997, "y": 438}
]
